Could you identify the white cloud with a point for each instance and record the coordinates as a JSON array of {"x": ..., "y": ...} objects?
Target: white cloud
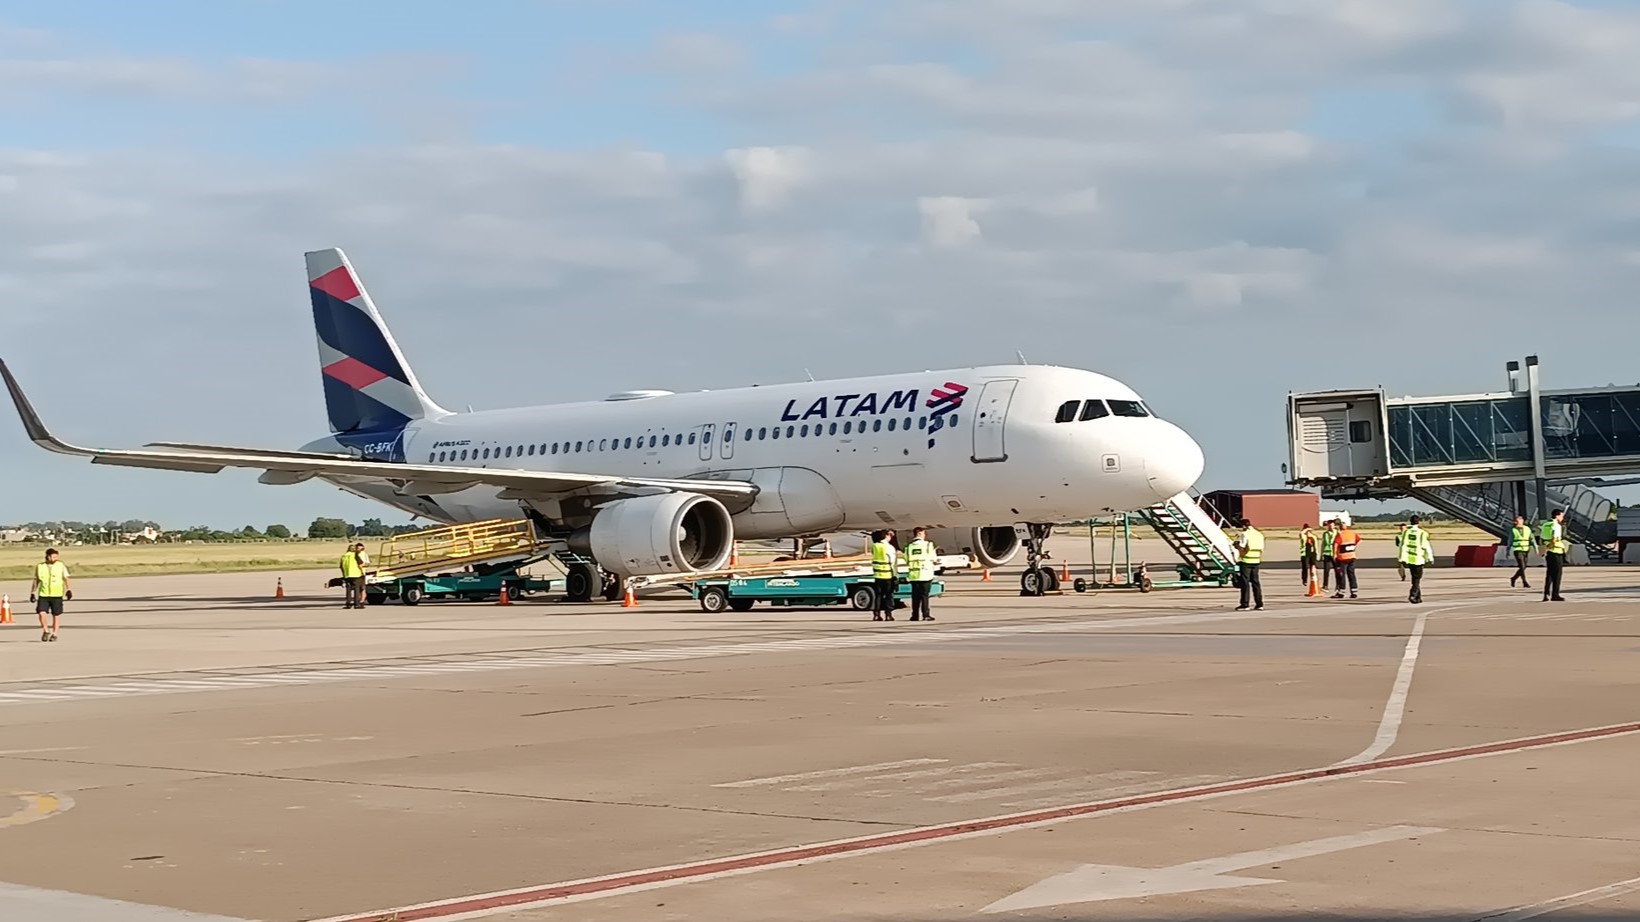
[
  {"x": 1144, "y": 193},
  {"x": 948, "y": 220},
  {"x": 767, "y": 175}
]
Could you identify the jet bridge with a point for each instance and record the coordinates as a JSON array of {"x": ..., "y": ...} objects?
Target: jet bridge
[{"x": 1481, "y": 457}]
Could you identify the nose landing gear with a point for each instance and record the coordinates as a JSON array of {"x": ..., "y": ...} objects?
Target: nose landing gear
[{"x": 1037, "y": 579}]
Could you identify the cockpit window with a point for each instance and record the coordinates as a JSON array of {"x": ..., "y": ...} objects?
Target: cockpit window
[
  {"x": 1067, "y": 411},
  {"x": 1127, "y": 408},
  {"x": 1094, "y": 409}
]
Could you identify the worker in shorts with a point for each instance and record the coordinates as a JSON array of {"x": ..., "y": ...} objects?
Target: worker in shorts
[{"x": 48, "y": 592}]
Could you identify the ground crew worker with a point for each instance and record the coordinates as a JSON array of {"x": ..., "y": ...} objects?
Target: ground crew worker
[
  {"x": 920, "y": 564},
  {"x": 883, "y": 558},
  {"x": 48, "y": 592},
  {"x": 1307, "y": 553},
  {"x": 1520, "y": 543},
  {"x": 1344, "y": 545},
  {"x": 1400, "y": 565},
  {"x": 1415, "y": 554},
  {"x": 353, "y": 576},
  {"x": 1329, "y": 540},
  {"x": 1249, "y": 554},
  {"x": 1553, "y": 537}
]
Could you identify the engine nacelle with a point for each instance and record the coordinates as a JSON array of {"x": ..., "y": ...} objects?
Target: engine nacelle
[
  {"x": 652, "y": 535},
  {"x": 991, "y": 546}
]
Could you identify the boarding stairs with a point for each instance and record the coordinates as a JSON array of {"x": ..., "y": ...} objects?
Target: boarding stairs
[
  {"x": 453, "y": 547},
  {"x": 1491, "y": 507},
  {"x": 1196, "y": 535}
]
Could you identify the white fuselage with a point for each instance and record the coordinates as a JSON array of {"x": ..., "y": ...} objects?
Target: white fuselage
[{"x": 837, "y": 455}]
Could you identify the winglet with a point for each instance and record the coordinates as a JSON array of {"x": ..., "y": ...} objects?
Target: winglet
[{"x": 36, "y": 429}]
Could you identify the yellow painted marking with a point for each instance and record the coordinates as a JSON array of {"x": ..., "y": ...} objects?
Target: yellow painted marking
[{"x": 35, "y": 807}]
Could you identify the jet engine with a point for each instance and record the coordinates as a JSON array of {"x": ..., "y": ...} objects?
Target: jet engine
[
  {"x": 991, "y": 546},
  {"x": 652, "y": 535}
]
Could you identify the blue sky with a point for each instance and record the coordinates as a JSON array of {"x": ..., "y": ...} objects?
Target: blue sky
[{"x": 1289, "y": 194}]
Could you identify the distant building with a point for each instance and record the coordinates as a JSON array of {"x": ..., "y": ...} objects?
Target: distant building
[{"x": 1267, "y": 508}]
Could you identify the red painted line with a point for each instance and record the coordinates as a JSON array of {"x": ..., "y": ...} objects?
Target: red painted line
[{"x": 682, "y": 873}]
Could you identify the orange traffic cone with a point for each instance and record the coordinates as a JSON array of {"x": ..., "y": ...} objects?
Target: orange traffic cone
[
  {"x": 985, "y": 575},
  {"x": 1064, "y": 571},
  {"x": 279, "y": 588},
  {"x": 5, "y": 609},
  {"x": 505, "y": 597},
  {"x": 734, "y": 554},
  {"x": 629, "y": 600},
  {"x": 1315, "y": 587}
]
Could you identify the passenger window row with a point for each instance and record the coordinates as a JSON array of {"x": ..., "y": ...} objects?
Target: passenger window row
[
  {"x": 1084, "y": 410},
  {"x": 668, "y": 440}
]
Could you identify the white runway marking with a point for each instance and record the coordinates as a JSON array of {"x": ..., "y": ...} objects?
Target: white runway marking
[
  {"x": 1564, "y": 902},
  {"x": 868, "y": 637},
  {"x": 19, "y": 902},
  {"x": 1390, "y": 725},
  {"x": 826, "y": 773}
]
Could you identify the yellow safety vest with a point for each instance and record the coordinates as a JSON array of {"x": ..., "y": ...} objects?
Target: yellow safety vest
[
  {"x": 53, "y": 579},
  {"x": 1520, "y": 538},
  {"x": 919, "y": 560},
  {"x": 1327, "y": 539},
  {"x": 1553, "y": 535},
  {"x": 1254, "y": 551},
  {"x": 882, "y": 560},
  {"x": 350, "y": 566},
  {"x": 1306, "y": 542},
  {"x": 1415, "y": 547}
]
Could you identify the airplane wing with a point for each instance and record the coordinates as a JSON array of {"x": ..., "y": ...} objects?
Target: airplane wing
[{"x": 408, "y": 479}]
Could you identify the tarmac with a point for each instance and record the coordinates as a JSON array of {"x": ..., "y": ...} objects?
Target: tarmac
[{"x": 193, "y": 749}]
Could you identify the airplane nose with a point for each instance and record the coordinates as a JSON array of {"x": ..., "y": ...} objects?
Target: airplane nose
[{"x": 1173, "y": 460}]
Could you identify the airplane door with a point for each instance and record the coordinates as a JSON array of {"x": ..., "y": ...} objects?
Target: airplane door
[
  {"x": 706, "y": 441},
  {"x": 727, "y": 446},
  {"x": 989, "y": 417}
]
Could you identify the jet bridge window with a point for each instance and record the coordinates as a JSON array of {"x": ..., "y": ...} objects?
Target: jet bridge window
[
  {"x": 1131, "y": 408},
  {"x": 1094, "y": 409},
  {"x": 1067, "y": 411}
]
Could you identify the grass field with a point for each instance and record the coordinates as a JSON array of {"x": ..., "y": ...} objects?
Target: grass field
[{"x": 17, "y": 561}]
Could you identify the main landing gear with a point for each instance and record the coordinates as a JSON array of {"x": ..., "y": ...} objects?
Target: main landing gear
[{"x": 1038, "y": 579}]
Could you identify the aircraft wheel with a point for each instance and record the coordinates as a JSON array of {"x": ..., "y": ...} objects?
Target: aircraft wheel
[{"x": 579, "y": 582}]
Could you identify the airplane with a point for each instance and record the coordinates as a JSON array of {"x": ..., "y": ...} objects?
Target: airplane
[{"x": 653, "y": 482}]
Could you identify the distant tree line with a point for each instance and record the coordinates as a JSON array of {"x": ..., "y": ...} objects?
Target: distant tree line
[{"x": 112, "y": 532}]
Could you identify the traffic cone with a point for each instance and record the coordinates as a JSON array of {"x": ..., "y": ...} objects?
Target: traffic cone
[
  {"x": 505, "y": 598},
  {"x": 985, "y": 575},
  {"x": 1315, "y": 587},
  {"x": 629, "y": 600},
  {"x": 734, "y": 554},
  {"x": 5, "y": 609},
  {"x": 1064, "y": 571},
  {"x": 279, "y": 588}
]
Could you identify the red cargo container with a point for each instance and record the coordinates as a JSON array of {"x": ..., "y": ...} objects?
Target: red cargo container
[{"x": 1268, "y": 508}]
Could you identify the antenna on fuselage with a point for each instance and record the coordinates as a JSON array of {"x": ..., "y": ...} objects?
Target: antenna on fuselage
[
  {"x": 809, "y": 373},
  {"x": 1021, "y": 357}
]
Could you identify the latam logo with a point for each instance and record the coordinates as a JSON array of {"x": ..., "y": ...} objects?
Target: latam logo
[{"x": 942, "y": 401}]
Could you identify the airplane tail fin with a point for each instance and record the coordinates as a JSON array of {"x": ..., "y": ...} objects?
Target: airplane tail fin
[{"x": 368, "y": 384}]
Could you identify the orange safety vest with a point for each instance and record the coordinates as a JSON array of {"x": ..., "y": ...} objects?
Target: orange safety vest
[{"x": 1344, "y": 544}]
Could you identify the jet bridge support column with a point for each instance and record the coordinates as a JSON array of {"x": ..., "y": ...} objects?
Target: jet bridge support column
[{"x": 1534, "y": 407}]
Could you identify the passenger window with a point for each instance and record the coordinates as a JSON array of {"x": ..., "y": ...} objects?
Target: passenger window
[
  {"x": 431, "y": 457},
  {"x": 848, "y": 426},
  {"x": 763, "y": 433},
  {"x": 833, "y": 428},
  {"x": 877, "y": 425},
  {"x": 1130, "y": 408},
  {"x": 603, "y": 444},
  {"x": 555, "y": 448},
  {"x": 922, "y": 422},
  {"x": 692, "y": 438},
  {"x": 775, "y": 433},
  {"x": 891, "y": 423},
  {"x": 951, "y": 420},
  {"x": 1067, "y": 411},
  {"x": 1094, "y": 409}
]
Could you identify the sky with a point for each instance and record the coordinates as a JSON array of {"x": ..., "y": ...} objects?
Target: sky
[{"x": 1216, "y": 202}]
